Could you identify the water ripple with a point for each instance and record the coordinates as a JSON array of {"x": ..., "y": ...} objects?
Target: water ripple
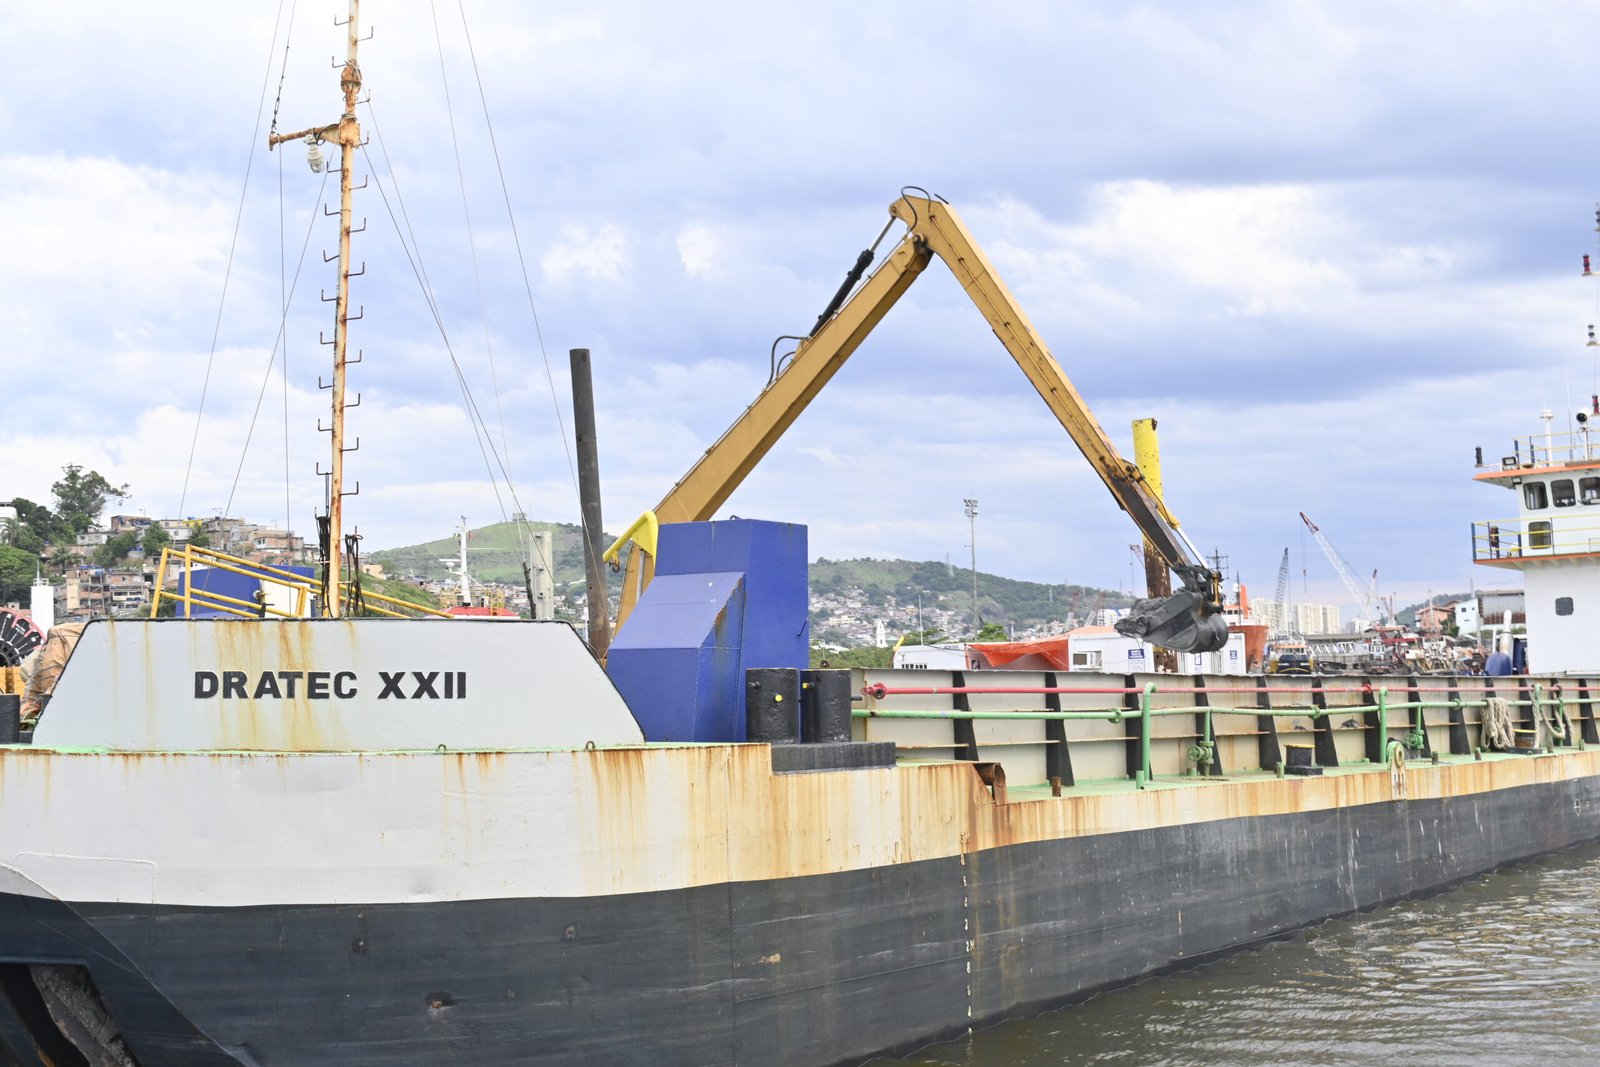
[{"x": 1503, "y": 971}]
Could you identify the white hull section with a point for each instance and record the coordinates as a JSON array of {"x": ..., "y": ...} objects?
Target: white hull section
[{"x": 236, "y": 829}]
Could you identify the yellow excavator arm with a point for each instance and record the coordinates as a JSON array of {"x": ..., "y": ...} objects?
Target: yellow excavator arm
[{"x": 1188, "y": 621}]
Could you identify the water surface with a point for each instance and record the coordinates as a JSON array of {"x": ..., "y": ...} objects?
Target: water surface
[{"x": 1503, "y": 970}]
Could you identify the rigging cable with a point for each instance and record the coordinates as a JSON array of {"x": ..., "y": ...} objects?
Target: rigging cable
[
  {"x": 527, "y": 284},
  {"x": 474, "y": 417},
  {"x": 233, "y": 245},
  {"x": 283, "y": 285},
  {"x": 279, "y": 342},
  {"x": 477, "y": 278}
]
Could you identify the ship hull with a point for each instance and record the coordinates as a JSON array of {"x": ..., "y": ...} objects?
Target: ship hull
[{"x": 815, "y": 969}]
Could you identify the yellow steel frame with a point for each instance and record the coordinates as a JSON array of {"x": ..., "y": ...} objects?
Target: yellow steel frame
[
  {"x": 188, "y": 557},
  {"x": 933, "y": 228}
]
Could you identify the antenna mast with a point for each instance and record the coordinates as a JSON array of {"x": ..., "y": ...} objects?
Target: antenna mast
[{"x": 346, "y": 133}]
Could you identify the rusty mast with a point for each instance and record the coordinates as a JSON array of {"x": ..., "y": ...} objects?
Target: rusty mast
[{"x": 346, "y": 133}]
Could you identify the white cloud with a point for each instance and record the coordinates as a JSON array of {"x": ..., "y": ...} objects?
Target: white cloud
[
  {"x": 697, "y": 248},
  {"x": 1328, "y": 245},
  {"x": 599, "y": 255}
]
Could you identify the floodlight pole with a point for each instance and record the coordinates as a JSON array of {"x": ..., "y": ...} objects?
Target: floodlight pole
[{"x": 972, "y": 522}]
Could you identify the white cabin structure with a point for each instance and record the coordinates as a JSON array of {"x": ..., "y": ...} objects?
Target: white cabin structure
[{"x": 1554, "y": 541}]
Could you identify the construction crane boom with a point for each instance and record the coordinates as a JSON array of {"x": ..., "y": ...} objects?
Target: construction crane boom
[
  {"x": 1363, "y": 597},
  {"x": 1281, "y": 596}
]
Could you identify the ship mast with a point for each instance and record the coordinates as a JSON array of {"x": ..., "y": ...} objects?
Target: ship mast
[{"x": 346, "y": 133}]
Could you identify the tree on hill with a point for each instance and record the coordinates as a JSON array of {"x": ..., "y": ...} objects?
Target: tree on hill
[
  {"x": 36, "y": 527},
  {"x": 155, "y": 539},
  {"x": 992, "y": 631},
  {"x": 82, "y": 495},
  {"x": 116, "y": 549},
  {"x": 866, "y": 656},
  {"x": 17, "y": 570}
]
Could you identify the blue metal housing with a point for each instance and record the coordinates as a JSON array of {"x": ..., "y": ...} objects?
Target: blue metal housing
[{"x": 726, "y": 596}]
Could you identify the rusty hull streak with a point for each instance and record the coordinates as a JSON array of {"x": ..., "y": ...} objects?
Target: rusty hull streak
[
  {"x": 777, "y": 826},
  {"x": 285, "y": 725},
  {"x": 647, "y": 818}
]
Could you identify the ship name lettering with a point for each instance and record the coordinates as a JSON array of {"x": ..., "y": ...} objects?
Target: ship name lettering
[
  {"x": 426, "y": 685},
  {"x": 275, "y": 685}
]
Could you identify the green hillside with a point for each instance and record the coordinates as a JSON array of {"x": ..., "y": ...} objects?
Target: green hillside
[
  {"x": 493, "y": 557},
  {"x": 1000, "y": 599}
]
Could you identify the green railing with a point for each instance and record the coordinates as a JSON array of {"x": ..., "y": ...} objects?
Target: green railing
[{"x": 1145, "y": 712}]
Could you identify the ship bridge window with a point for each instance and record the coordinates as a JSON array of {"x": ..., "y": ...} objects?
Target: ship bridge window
[
  {"x": 1533, "y": 496},
  {"x": 1563, "y": 605},
  {"x": 1561, "y": 494},
  {"x": 1589, "y": 490}
]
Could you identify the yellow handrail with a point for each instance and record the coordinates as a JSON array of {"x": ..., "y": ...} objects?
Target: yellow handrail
[{"x": 189, "y": 556}]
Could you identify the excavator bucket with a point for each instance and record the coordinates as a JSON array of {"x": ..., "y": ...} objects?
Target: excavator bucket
[{"x": 1178, "y": 622}]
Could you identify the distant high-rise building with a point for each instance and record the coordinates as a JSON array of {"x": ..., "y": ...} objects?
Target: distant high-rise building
[
  {"x": 1269, "y": 612},
  {"x": 1317, "y": 618}
]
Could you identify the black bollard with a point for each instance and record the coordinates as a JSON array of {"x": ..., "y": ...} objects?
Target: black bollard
[
  {"x": 824, "y": 705},
  {"x": 772, "y": 705}
]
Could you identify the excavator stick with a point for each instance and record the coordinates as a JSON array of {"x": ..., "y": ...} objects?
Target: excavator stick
[{"x": 1183, "y": 622}]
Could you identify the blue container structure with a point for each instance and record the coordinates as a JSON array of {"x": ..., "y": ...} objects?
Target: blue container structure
[
  {"x": 226, "y": 583},
  {"x": 727, "y": 596}
]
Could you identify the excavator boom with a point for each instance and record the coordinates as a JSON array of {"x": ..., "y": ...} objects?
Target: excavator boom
[{"x": 1188, "y": 621}]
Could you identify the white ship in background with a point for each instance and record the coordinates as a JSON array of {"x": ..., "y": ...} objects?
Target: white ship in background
[{"x": 1553, "y": 540}]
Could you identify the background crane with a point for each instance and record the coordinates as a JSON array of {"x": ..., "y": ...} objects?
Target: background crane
[
  {"x": 1366, "y": 598},
  {"x": 1285, "y": 619}
]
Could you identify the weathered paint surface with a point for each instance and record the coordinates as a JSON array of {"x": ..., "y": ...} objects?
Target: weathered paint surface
[
  {"x": 802, "y": 970},
  {"x": 256, "y": 828},
  {"x": 297, "y": 685}
]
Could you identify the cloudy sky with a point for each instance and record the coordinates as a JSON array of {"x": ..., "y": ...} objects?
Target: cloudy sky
[{"x": 1330, "y": 246}]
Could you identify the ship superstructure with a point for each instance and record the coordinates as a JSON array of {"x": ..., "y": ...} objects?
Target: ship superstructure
[{"x": 1553, "y": 540}]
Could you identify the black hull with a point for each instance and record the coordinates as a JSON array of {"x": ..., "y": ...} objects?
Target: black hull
[{"x": 817, "y": 970}]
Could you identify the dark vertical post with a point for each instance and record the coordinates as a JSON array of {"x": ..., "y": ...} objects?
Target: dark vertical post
[
  {"x": 1419, "y": 721},
  {"x": 964, "y": 735},
  {"x": 1322, "y": 728},
  {"x": 1585, "y": 715},
  {"x": 1376, "y": 736},
  {"x": 1057, "y": 757},
  {"x": 1203, "y": 700},
  {"x": 1268, "y": 752},
  {"x": 1131, "y": 726},
  {"x": 1459, "y": 746},
  {"x": 589, "y": 501}
]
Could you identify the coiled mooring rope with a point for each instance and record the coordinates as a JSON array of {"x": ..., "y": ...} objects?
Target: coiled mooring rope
[{"x": 1499, "y": 731}]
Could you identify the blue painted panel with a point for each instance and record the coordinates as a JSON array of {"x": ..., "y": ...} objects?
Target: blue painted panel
[
  {"x": 726, "y": 596},
  {"x": 230, "y": 584},
  {"x": 676, "y": 663}
]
